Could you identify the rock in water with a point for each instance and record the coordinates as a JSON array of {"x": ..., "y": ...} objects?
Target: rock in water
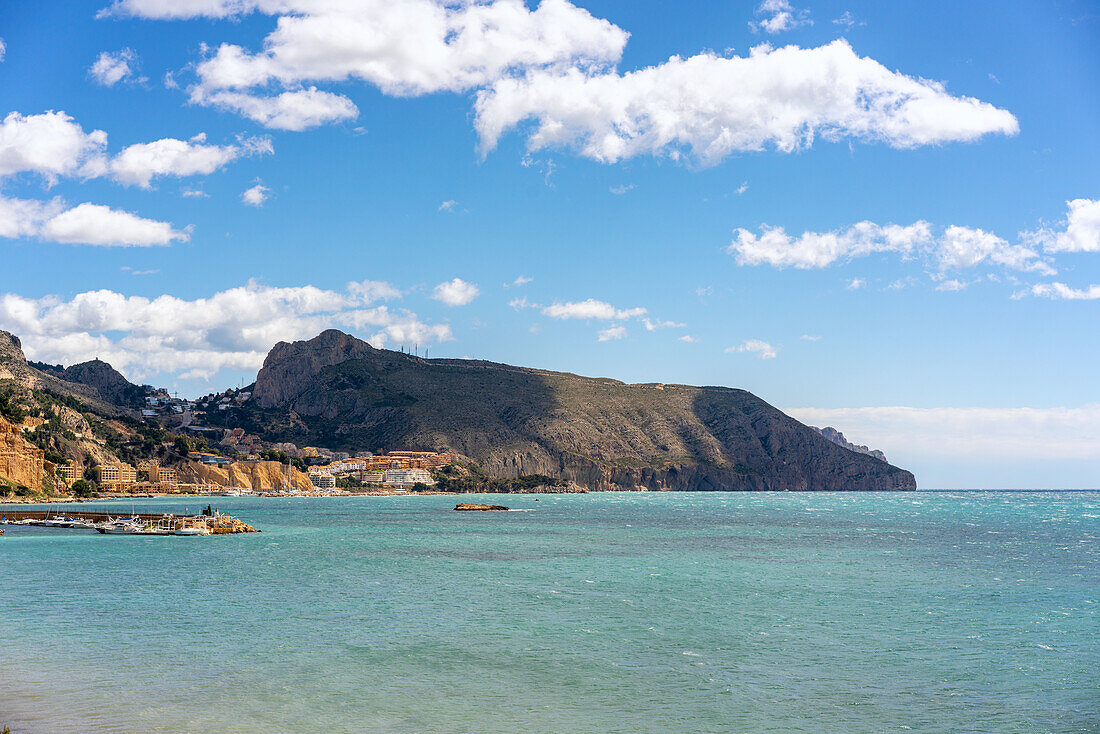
[{"x": 466, "y": 506}]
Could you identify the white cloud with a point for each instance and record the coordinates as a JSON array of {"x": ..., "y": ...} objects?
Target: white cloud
[
  {"x": 448, "y": 206},
  {"x": 952, "y": 285},
  {"x": 413, "y": 47},
  {"x": 965, "y": 247},
  {"x": 3, "y": 49},
  {"x": 51, "y": 145},
  {"x": 612, "y": 333},
  {"x": 194, "y": 194},
  {"x": 687, "y": 339},
  {"x": 848, "y": 20},
  {"x": 590, "y": 309},
  {"x": 773, "y": 246},
  {"x": 1064, "y": 292},
  {"x": 409, "y": 48},
  {"x": 855, "y": 284},
  {"x": 777, "y": 16},
  {"x": 1080, "y": 233},
  {"x": 990, "y": 433},
  {"x": 810, "y": 338},
  {"x": 742, "y": 188},
  {"x": 256, "y": 195},
  {"x": 957, "y": 248},
  {"x": 85, "y": 224},
  {"x": 456, "y": 292},
  {"x": 521, "y": 280},
  {"x": 761, "y": 349},
  {"x": 520, "y": 304},
  {"x": 710, "y": 106},
  {"x": 621, "y": 189},
  {"x": 233, "y": 328},
  {"x": 139, "y": 164},
  {"x": 111, "y": 68},
  {"x": 95, "y": 224},
  {"x": 654, "y": 324},
  {"x": 24, "y": 218},
  {"x": 295, "y": 110}
]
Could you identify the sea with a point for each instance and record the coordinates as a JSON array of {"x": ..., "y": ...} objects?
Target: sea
[{"x": 618, "y": 612}]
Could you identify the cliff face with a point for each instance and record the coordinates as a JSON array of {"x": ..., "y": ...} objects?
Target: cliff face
[
  {"x": 261, "y": 476},
  {"x": 603, "y": 434},
  {"x": 21, "y": 462}
]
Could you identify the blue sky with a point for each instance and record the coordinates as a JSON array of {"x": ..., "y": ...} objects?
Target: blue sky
[{"x": 620, "y": 181}]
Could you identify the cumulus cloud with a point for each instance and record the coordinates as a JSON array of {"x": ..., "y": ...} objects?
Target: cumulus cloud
[
  {"x": 687, "y": 339},
  {"x": 139, "y": 164},
  {"x": 776, "y": 16},
  {"x": 612, "y": 333},
  {"x": 965, "y": 247},
  {"x": 761, "y": 349},
  {"x": 555, "y": 66},
  {"x": 230, "y": 329},
  {"x": 409, "y": 48},
  {"x": 1080, "y": 232},
  {"x": 95, "y": 224},
  {"x": 1061, "y": 291},
  {"x": 413, "y": 47},
  {"x": 255, "y": 195},
  {"x": 113, "y": 67},
  {"x": 773, "y": 246},
  {"x": 956, "y": 248},
  {"x": 51, "y": 145},
  {"x": 709, "y": 106},
  {"x": 456, "y": 292},
  {"x": 85, "y": 224},
  {"x": 590, "y": 309},
  {"x": 295, "y": 110}
]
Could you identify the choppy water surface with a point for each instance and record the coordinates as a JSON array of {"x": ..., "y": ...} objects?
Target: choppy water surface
[{"x": 929, "y": 612}]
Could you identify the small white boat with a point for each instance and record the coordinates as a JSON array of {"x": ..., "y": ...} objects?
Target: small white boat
[
  {"x": 120, "y": 527},
  {"x": 190, "y": 531}
]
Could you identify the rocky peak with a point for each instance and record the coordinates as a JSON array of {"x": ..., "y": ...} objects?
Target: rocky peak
[
  {"x": 13, "y": 363},
  {"x": 289, "y": 366},
  {"x": 837, "y": 437},
  {"x": 108, "y": 381}
]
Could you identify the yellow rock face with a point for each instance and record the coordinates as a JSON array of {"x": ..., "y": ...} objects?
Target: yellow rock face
[
  {"x": 259, "y": 476},
  {"x": 20, "y": 462}
]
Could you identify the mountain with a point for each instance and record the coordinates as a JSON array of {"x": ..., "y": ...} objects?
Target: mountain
[
  {"x": 108, "y": 382},
  {"x": 24, "y": 376},
  {"x": 837, "y": 437},
  {"x": 339, "y": 392}
]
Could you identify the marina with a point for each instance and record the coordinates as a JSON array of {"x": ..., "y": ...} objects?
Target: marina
[{"x": 132, "y": 523}]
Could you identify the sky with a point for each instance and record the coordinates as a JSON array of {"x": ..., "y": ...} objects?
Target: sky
[{"x": 883, "y": 217}]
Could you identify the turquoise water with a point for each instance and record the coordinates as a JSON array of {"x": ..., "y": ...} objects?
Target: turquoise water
[{"x": 931, "y": 612}]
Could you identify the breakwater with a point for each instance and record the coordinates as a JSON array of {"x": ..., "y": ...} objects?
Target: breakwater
[{"x": 216, "y": 524}]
